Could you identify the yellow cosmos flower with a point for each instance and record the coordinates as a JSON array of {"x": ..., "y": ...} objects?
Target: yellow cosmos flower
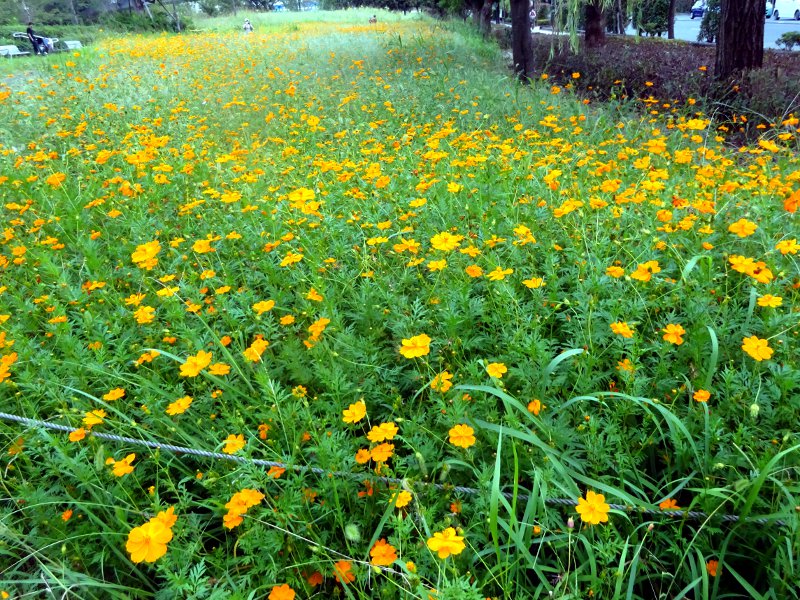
[
  {"x": 148, "y": 542},
  {"x": 446, "y": 543},
  {"x": 233, "y": 443},
  {"x": 770, "y": 301},
  {"x": 593, "y": 509},
  {"x": 622, "y": 328},
  {"x": 114, "y": 394},
  {"x": 673, "y": 333},
  {"x": 442, "y": 382},
  {"x": 743, "y": 228},
  {"x": 496, "y": 370},
  {"x": 402, "y": 499},
  {"x": 416, "y": 346},
  {"x": 446, "y": 241},
  {"x": 180, "y": 406},
  {"x": 195, "y": 364},
  {"x": 462, "y": 436},
  {"x": 263, "y": 306},
  {"x": 701, "y": 395},
  {"x": 355, "y": 412},
  {"x": 382, "y": 553},
  {"x": 757, "y": 348},
  {"x": 382, "y": 432}
]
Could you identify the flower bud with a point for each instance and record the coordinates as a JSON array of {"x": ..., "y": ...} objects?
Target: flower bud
[
  {"x": 570, "y": 523},
  {"x": 754, "y": 408}
]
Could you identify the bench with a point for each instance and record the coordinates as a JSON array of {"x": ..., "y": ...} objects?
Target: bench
[
  {"x": 71, "y": 45},
  {"x": 11, "y": 51}
]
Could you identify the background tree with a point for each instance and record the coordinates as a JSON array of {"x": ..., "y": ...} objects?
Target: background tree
[
  {"x": 521, "y": 42},
  {"x": 652, "y": 17},
  {"x": 740, "y": 41}
]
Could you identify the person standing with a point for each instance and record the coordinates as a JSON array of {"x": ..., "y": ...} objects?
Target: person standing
[
  {"x": 37, "y": 42},
  {"x": 247, "y": 27}
]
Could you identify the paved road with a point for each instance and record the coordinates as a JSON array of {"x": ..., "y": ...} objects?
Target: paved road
[{"x": 687, "y": 29}]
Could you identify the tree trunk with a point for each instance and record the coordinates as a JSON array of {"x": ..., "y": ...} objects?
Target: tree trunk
[
  {"x": 486, "y": 18},
  {"x": 521, "y": 42},
  {"x": 740, "y": 41},
  {"x": 671, "y": 20},
  {"x": 595, "y": 34},
  {"x": 475, "y": 9}
]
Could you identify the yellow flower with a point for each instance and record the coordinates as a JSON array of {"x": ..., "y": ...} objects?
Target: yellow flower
[
  {"x": 499, "y": 274},
  {"x": 93, "y": 418},
  {"x": 533, "y": 283},
  {"x": 314, "y": 295},
  {"x": 263, "y": 306},
  {"x": 402, "y": 499},
  {"x": 382, "y": 452},
  {"x": 256, "y": 349},
  {"x": 195, "y": 364},
  {"x": 180, "y": 406},
  {"x": 446, "y": 241},
  {"x": 233, "y": 443},
  {"x": 219, "y": 369},
  {"x": 114, "y": 394},
  {"x": 770, "y": 301},
  {"x": 382, "y": 432},
  {"x": 145, "y": 315},
  {"x": 446, "y": 543},
  {"x": 701, "y": 395},
  {"x": 419, "y": 345},
  {"x": 757, "y": 348},
  {"x": 442, "y": 382},
  {"x": 363, "y": 456},
  {"x": 122, "y": 467},
  {"x": 496, "y": 370},
  {"x": 355, "y": 412},
  {"x": 622, "y": 328},
  {"x": 168, "y": 518},
  {"x": 148, "y": 542},
  {"x": 673, "y": 333},
  {"x": 77, "y": 435},
  {"x": 462, "y": 436},
  {"x": 615, "y": 271},
  {"x": 743, "y": 228},
  {"x": 593, "y": 510},
  {"x": 535, "y": 406}
]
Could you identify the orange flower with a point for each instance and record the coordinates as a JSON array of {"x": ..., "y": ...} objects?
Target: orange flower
[
  {"x": 673, "y": 333},
  {"x": 535, "y": 406},
  {"x": 402, "y": 499},
  {"x": 669, "y": 504},
  {"x": 712, "y": 567},
  {"x": 77, "y": 435},
  {"x": 622, "y": 328},
  {"x": 122, "y": 467},
  {"x": 382, "y": 554},
  {"x": 462, "y": 436},
  {"x": 282, "y": 592},
  {"x": 743, "y": 228},
  {"x": 66, "y": 515},
  {"x": 701, "y": 395},
  {"x": 593, "y": 510},
  {"x": 382, "y": 452},
  {"x": 342, "y": 571}
]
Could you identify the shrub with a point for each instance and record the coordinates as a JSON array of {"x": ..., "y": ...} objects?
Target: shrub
[{"x": 789, "y": 40}]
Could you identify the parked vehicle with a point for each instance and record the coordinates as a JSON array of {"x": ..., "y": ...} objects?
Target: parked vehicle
[
  {"x": 770, "y": 8},
  {"x": 698, "y": 8},
  {"x": 786, "y": 9}
]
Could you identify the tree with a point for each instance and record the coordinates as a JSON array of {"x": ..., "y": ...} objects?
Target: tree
[
  {"x": 740, "y": 40},
  {"x": 521, "y": 42},
  {"x": 595, "y": 32}
]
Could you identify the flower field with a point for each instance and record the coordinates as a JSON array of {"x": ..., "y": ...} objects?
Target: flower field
[{"x": 365, "y": 250}]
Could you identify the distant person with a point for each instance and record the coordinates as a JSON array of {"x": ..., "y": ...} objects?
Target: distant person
[
  {"x": 37, "y": 41},
  {"x": 247, "y": 27},
  {"x": 373, "y": 19}
]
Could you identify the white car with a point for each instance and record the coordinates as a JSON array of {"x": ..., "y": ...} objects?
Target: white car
[{"x": 786, "y": 9}]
